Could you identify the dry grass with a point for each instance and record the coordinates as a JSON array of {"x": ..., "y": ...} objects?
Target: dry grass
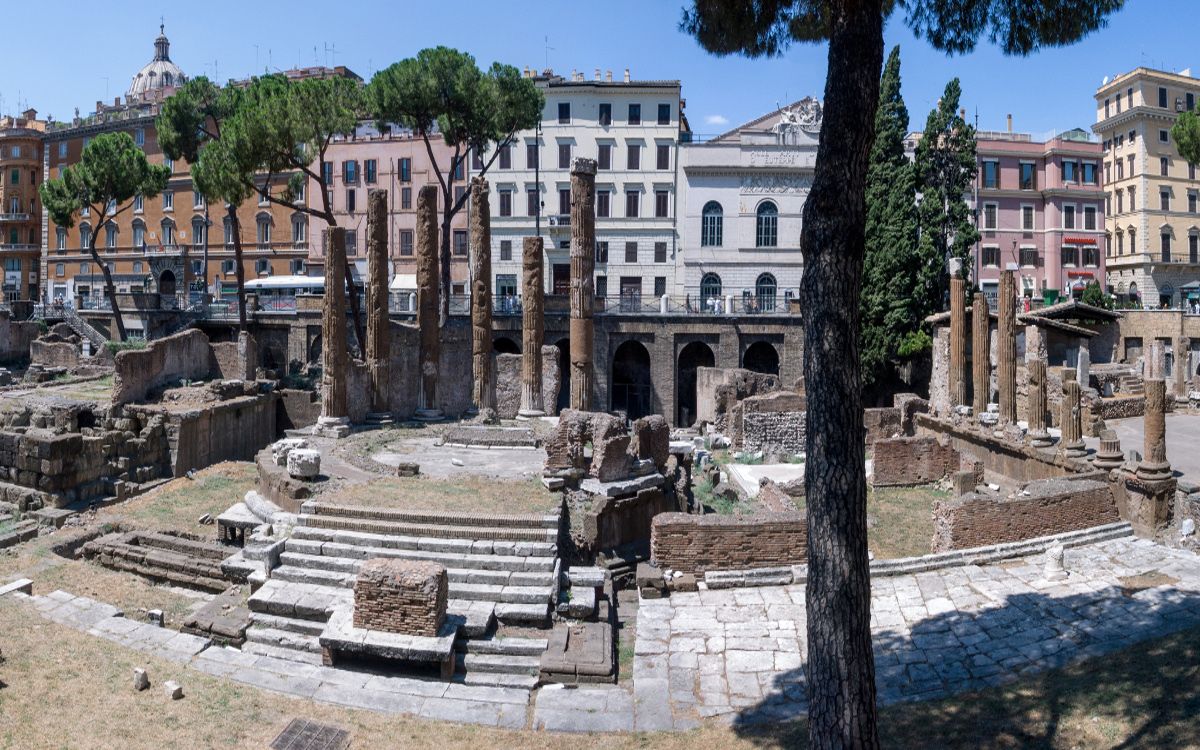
[
  {"x": 178, "y": 504},
  {"x": 1143, "y": 697},
  {"x": 903, "y": 519},
  {"x": 466, "y": 494}
]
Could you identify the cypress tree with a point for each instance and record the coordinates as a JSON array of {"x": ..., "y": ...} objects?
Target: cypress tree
[{"x": 891, "y": 267}]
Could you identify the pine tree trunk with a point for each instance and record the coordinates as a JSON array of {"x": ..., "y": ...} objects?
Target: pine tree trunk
[
  {"x": 235, "y": 228},
  {"x": 110, "y": 288},
  {"x": 444, "y": 260},
  {"x": 841, "y": 668}
]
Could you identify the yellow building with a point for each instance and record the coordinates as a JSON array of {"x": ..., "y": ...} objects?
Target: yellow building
[{"x": 1152, "y": 223}]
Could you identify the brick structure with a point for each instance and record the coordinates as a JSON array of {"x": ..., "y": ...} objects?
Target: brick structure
[
  {"x": 695, "y": 544},
  {"x": 651, "y": 438},
  {"x": 1042, "y": 508},
  {"x": 400, "y": 596},
  {"x": 882, "y": 423},
  {"x": 907, "y": 461},
  {"x": 771, "y": 422},
  {"x": 564, "y": 448}
]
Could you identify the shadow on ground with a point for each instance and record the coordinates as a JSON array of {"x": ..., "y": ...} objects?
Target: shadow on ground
[{"x": 1117, "y": 668}]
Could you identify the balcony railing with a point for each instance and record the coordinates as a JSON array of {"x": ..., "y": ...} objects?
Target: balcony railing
[{"x": 14, "y": 217}]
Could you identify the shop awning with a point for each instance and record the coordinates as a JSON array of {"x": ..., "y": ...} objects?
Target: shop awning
[{"x": 403, "y": 282}]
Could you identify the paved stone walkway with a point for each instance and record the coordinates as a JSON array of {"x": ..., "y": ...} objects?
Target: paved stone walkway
[{"x": 737, "y": 655}]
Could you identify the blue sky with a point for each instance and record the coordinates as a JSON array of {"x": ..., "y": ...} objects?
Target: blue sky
[{"x": 85, "y": 54}]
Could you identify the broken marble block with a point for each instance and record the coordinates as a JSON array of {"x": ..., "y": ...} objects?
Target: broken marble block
[
  {"x": 304, "y": 463},
  {"x": 281, "y": 449}
]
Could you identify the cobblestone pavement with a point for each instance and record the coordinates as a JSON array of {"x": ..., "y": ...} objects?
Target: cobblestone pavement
[{"x": 737, "y": 654}]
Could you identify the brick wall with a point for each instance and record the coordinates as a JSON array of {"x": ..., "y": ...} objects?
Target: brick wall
[
  {"x": 236, "y": 360},
  {"x": 1044, "y": 507},
  {"x": 912, "y": 460},
  {"x": 400, "y": 596},
  {"x": 771, "y": 422},
  {"x": 695, "y": 544},
  {"x": 54, "y": 354},
  {"x": 186, "y": 354},
  {"x": 882, "y": 423}
]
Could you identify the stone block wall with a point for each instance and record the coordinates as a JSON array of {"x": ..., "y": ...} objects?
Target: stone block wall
[
  {"x": 508, "y": 382},
  {"x": 232, "y": 430},
  {"x": 236, "y": 360},
  {"x": 400, "y": 596},
  {"x": 54, "y": 354},
  {"x": 912, "y": 460},
  {"x": 882, "y": 423},
  {"x": 772, "y": 422},
  {"x": 296, "y": 409},
  {"x": 718, "y": 389},
  {"x": 696, "y": 544},
  {"x": 1044, "y": 507},
  {"x": 185, "y": 355},
  {"x": 15, "y": 337}
]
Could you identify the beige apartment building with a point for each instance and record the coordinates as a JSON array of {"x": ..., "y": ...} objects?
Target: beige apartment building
[{"x": 1152, "y": 221}]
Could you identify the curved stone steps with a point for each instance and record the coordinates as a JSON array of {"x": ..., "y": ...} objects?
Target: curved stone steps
[
  {"x": 456, "y": 590},
  {"x": 457, "y": 574},
  {"x": 467, "y": 521},
  {"x": 431, "y": 530}
]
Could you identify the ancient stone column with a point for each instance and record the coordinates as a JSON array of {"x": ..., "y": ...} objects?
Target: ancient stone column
[
  {"x": 981, "y": 370},
  {"x": 1179, "y": 373},
  {"x": 1038, "y": 435},
  {"x": 583, "y": 264},
  {"x": 1109, "y": 456},
  {"x": 1154, "y": 464},
  {"x": 1006, "y": 349},
  {"x": 483, "y": 389},
  {"x": 958, "y": 343},
  {"x": 334, "y": 421},
  {"x": 1071, "y": 416},
  {"x": 427, "y": 303},
  {"x": 532, "y": 330},
  {"x": 378, "y": 324}
]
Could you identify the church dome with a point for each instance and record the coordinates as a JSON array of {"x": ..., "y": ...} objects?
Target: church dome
[{"x": 159, "y": 73}]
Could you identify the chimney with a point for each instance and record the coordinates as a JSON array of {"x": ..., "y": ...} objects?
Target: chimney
[
  {"x": 597, "y": 74},
  {"x": 608, "y": 76},
  {"x": 116, "y": 101},
  {"x": 1010, "y": 122},
  {"x": 627, "y": 75}
]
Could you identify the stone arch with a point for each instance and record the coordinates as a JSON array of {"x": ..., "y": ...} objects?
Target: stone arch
[
  {"x": 166, "y": 283},
  {"x": 505, "y": 345},
  {"x": 631, "y": 389},
  {"x": 564, "y": 374},
  {"x": 695, "y": 354},
  {"x": 761, "y": 356}
]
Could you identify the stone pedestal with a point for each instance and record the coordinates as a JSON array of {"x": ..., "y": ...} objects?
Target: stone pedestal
[
  {"x": 333, "y": 338},
  {"x": 958, "y": 344},
  {"x": 1148, "y": 503},
  {"x": 401, "y": 596},
  {"x": 1038, "y": 436},
  {"x": 427, "y": 303},
  {"x": 1006, "y": 350},
  {"x": 981, "y": 371},
  {"x": 483, "y": 385},
  {"x": 1109, "y": 456},
  {"x": 378, "y": 322},
  {"x": 583, "y": 262},
  {"x": 1070, "y": 417},
  {"x": 1154, "y": 465},
  {"x": 532, "y": 329}
]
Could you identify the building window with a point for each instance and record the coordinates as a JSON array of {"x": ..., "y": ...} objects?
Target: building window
[
  {"x": 660, "y": 286},
  {"x": 989, "y": 216},
  {"x": 661, "y": 203},
  {"x": 405, "y": 169},
  {"x": 1070, "y": 255},
  {"x": 531, "y": 201},
  {"x": 602, "y": 253},
  {"x": 634, "y": 159},
  {"x": 1163, "y": 166},
  {"x": 564, "y": 112},
  {"x": 1089, "y": 173},
  {"x": 505, "y": 249},
  {"x": 60, "y": 269},
  {"x": 327, "y": 172},
  {"x": 631, "y": 204},
  {"x": 991, "y": 174},
  {"x": 1120, "y": 243},
  {"x": 168, "y": 233},
  {"x": 1191, "y": 101},
  {"x": 710, "y": 288},
  {"x": 60, "y": 238},
  {"x": 460, "y": 242},
  {"x": 406, "y": 242},
  {"x": 1068, "y": 217},
  {"x": 62, "y": 149},
  {"x": 660, "y": 252},
  {"x": 1131, "y": 166},
  {"x": 564, "y": 156},
  {"x": 85, "y": 236},
  {"x": 1070, "y": 171},
  {"x": 1089, "y": 217},
  {"x": 506, "y": 203},
  {"x": 110, "y": 236},
  {"x": 1132, "y": 200},
  {"x": 476, "y": 160},
  {"x": 766, "y": 228},
  {"x": 605, "y": 156},
  {"x": 764, "y": 289},
  {"x": 1029, "y": 257},
  {"x": 602, "y": 204},
  {"x": 991, "y": 256},
  {"x": 564, "y": 201},
  {"x": 1165, "y": 246},
  {"x": 351, "y": 200},
  {"x": 1192, "y": 202},
  {"x": 351, "y": 242},
  {"x": 460, "y": 167},
  {"x": 350, "y": 172},
  {"x": 1164, "y": 136},
  {"x": 1091, "y": 256},
  {"x": 1028, "y": 176},
  {"x": 664, "y": 114},
  {"x": 199, "y": 233},
  {"x": 531, "y": 155},
  {"x": 262, "y": 267},
  {"x": 1120, "y": 201},
  {"x": 263, "y": 231},
  {"x": 1027, "y": 218},
  {"x": 1193, "y": 252},
  {"x": 505, "y": 157},
  {"x": 168, "y": 200},
  {"x": 1162, "y": 97},
  {"x": 370, "y": 166},
  {"x": 711, "y": 225},
  {"x": 663, "y": 156},
  {"x": 635, "y": 114},
  {"x": 1164, "y": 200},
  {"x": 406, "y": 199},
  {"x": 631, "y": 252},
  {"x": 506, "y": 285},
  {"x": 605, "y": 114}
]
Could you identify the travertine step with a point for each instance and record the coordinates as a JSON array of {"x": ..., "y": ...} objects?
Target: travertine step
[
  {"x": 523, "y": 614},
  {"x": 468, "y": 521},
  {"x": 463, "y": 574},
  {"x": 502, "y": 646},
  {"x": 456, "y": 590},
  {"x": 477, "y": 616},
  {"x": 283, "y": 639},
  {"x": 297, "y": 600},
  {"x": 262, "y": 649},
  {"x": 288, "y": 624},
  {"x": 363, "y": 546},
  {"x": 499, "y": 547},
  {"x": 496, "y": 679},
  {"x": 433, "y": 531},
  {"x": 497, "y": 664}
]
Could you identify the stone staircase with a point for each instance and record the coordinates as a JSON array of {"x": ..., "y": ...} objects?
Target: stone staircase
[
  {"x": 83, "y": 328},
  {"x": 1131, "y": 385},
  {"x": 502, "y": 570}
]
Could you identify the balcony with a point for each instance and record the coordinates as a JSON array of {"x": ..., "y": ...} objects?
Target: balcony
[{"x": 15, "y": 217}]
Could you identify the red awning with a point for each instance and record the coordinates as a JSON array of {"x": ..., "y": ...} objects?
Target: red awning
[
  {"x": 1079, "y": 240},
  {"x": 1080, "y": 274}
]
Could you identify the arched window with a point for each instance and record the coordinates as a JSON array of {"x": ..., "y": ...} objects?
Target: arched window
[
  {"x": 710, "y": 289},
  {"x": 199, "y": 233},
  {"x": 228, "y": 232},
  {"x": 711, "y": 225},
  {"x": 764, "y": 289},
  {"x": 263, "y": 222},
  {"x": 139, "y": 234},
  {"x": 766, "y": 230},
  {"x": 85, "y": 236},
  {"x": 299, "y": 230},
  {"x": 60, "y": 236},
  {"x": 110, "y": 236},
  {"x": 168, "y": 233}
]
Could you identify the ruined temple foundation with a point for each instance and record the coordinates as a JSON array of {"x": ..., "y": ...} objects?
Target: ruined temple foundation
[
  {"x": 583, "y": 263},
  {"x": 334, "y": 420},
  {"x": 1071, "y": 418},
  {"x": 1150, "y": 489},
  {"x": 958, "y": 344},
  {"x": 1038, "y": 435},
  {"x": 1006, "y": 350},
  {"x": 378, "y": 322},
  {"x": 427, "y": 304},
  {"x": 483, "y": 384},
  {"x": 532, "y": 329},
  {"x": 981, "y": 371}
]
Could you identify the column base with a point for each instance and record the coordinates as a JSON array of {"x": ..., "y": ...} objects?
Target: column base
[
  {"x": 1075, "y": 450},
  {"x": 1040, "y": 439},
  {"x": 1153, "y": 471},
  {"x": 1148, "y": 504},
  {"x": 332, "y": 427},
  {"x": 428, "y": 415},
  {"x": 526, "y": 414}
]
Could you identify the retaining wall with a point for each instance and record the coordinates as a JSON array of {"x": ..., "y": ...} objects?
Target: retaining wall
[{"x": 696, "y": 544}]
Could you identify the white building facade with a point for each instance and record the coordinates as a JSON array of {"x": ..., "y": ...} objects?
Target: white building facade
[
  {"x": 632, "y": 129},
  {"x": 743, "y": 197}
]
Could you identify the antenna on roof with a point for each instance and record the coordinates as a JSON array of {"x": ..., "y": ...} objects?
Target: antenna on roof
[{"x": 548, "y": 49}]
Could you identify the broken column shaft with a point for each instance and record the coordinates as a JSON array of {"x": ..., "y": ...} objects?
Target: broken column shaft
[
  {"x": 1071, "y": 416},
  {"x": 532, "y": 329},
  {"x": 334, "y": 420},
  {"x": 583, "y": 262},
  {"x": 958, "y": 343},
  {"x": 1006, "y": 349},
  {"x": 981, "y": 371},
  {"x": 427, "y": 303},
  {"x": 483, "y": 389},
  {"x": 378, "y": 324},
  {"x": 1154, "y": 464},
  {"x": 1038, "y": 435}
]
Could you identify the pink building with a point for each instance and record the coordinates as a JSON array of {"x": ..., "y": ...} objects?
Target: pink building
[
  {"x": 1040, "y": 213},
  {"x": 397, "y": 162}
]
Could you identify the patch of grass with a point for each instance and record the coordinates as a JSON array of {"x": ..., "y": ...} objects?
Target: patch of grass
[
  {"x": 467, "y": 494},
  {"x": 116, "y": 347},
  {"x": 903, "y": 520},
  {"x": 178, "y": 504}
]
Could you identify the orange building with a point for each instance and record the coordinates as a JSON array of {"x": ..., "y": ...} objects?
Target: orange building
[
  {"x": 169, "y": 243},
  {"x": 20, "y": 206}
]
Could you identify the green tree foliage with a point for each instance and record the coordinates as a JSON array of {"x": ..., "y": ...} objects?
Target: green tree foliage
[
  {"x": 1186, "y": 135},
  {"x": 443, "y": 92},
  {"x": 891, "y": 267},
  {"x": 946, "y": 168},
  {"x": 189, "y": 127},
  {"x": 1093, "y": 295},
  {"x": 110, "y": 172},
  {"x": 840, "y": 669}
]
